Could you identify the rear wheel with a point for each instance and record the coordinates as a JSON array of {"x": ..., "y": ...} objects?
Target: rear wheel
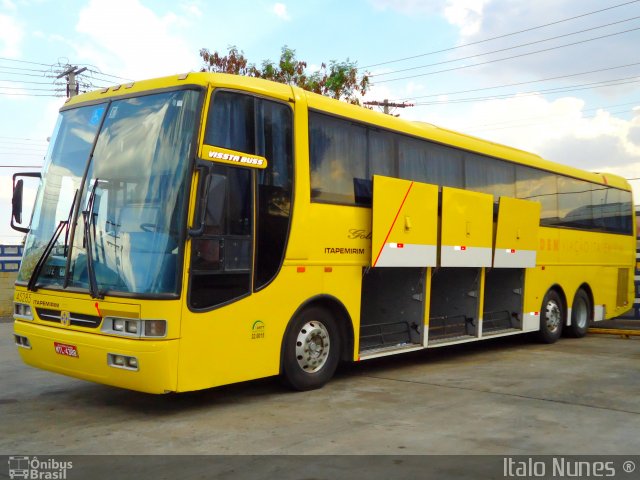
[
  {"x": 311, "y": 349},
  {"x": 551, "y": 317},
  {"x": 581, "y": 315}
]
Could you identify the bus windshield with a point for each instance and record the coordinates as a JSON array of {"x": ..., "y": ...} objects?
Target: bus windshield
[{"x": 112, "y": 200}]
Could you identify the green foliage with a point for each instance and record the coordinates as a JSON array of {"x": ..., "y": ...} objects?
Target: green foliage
[{"x": 338, "y": 80}]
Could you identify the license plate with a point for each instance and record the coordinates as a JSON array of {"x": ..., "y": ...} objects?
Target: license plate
[{"x": 64, "y": 349}]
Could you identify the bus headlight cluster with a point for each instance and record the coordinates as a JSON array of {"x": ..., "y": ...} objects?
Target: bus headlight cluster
[
  {"x": 122, "y": 361},
  {"x": 134, "y": 327},
  {"x": 22, "y": 311}
]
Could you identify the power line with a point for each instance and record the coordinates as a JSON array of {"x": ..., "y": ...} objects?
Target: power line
[
  {"x": 19, "y": 138},
  {"x": 121, "y": 78},
  {"x": 31, "y": 89},
  {"x": 509, "y": 58},
  {"x": 22, "y": 74},
  {"x": 20, "y": 166},
  {"x": 506, "y": 127},
  {"x": 5, "y": 144},
  {"x": 499, "y": 36},
  {"x": 570, "y": 88},
  {"x": 12, "y": 80},
  {"x": 28, "y": 149},
  {"x": 27, "y": 61},
  {"x": 24, "y": 69},
  {"x": 522, "y": 83},
  {"x": 505, "y": 49},
  {"x": 551, "y": 116},
  {"x": 28, "y": 95}
]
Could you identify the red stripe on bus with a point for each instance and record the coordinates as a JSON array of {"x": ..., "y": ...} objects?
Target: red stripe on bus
[{"x": 392, "y": 224}]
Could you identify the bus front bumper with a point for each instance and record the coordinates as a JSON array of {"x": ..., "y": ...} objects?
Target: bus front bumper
[{"x": 143, "y": 365}]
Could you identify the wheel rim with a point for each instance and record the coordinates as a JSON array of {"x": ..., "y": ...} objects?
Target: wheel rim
[
  {"x": 553, "y": 315},
  {"x": 580, "y": 313},
  {"x": 312, "y": 346}
]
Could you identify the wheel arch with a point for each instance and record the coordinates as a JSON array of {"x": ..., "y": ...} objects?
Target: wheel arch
[{"x": 339, "y": 312}]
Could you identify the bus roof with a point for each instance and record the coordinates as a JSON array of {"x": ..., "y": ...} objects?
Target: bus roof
[{"x": 335, "y": 107}]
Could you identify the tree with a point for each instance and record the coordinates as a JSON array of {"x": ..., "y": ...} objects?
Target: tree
[{"x": 338, "y": 80}]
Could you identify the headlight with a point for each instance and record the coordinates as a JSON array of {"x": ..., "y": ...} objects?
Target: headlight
[
  {"x": 155, "y": 328},
  {"x": 22, "y": 311},
  {"x": 132, "y": 327}
]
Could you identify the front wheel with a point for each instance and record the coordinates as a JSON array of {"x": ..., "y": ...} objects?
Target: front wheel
[
  {"x": 311, "y": 349},
  {"x": 551, "y": 317},
  {"x": 581, "y": 315}
]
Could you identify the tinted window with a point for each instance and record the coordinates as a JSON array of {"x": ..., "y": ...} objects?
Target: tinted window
[
  {"x": 489, "y": 175},
  {"x": 344, "y": 156},
  {"x": 430, "y": 163},
  {"x": 539, "y": 186},
  {"x": 338, "y": 155}
]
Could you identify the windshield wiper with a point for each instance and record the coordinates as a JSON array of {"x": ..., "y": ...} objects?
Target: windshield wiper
[
  {"x": 88, "y": 222},
  {"x": 64, "y": 224}
]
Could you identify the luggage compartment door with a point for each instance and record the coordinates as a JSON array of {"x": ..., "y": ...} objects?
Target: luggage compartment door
[
  {"x": 405, "y": 223},
  {"x": 516, "y": 233},
  {"x": 467, "y": 228}
]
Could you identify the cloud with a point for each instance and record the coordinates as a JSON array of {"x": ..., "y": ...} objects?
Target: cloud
[
  {"x": 11, "y": 35},
  {"x": 407, "y": 7},
  {"x": 280, "y": 9},
  {"x": 560, "y": 130},
  {"x": 8, "y": 5},
  {"x": 483, "y": 19},
  {"x": 465, "y": 14},
  {"x": 138, "y": 45}
]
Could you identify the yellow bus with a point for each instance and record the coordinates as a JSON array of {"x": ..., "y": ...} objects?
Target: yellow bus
[{"x": 203, "y": 229}]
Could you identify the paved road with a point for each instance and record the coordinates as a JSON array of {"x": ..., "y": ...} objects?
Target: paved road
[{"x": 507, "y": 396}]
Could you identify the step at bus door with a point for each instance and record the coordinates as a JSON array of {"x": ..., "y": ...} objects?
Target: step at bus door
[{"x": 404, "y": 246}]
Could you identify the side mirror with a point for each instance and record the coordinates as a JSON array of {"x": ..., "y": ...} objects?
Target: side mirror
[{"x": 16, "y": 201}]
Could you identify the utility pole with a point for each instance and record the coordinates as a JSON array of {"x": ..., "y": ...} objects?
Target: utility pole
[
  {"x": 386, "y": 104},
  {"x": 73, "y": 87}
]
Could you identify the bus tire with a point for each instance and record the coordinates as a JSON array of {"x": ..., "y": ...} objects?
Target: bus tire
[
  {"x": 551, "y": 317},
  {"x": 311, "y": 349},
  {"x": 581, "y": 315}
]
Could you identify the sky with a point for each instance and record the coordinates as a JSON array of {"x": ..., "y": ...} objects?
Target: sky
[{"x": 559, "y": 78}]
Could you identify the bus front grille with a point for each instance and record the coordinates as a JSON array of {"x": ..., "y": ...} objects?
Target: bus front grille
[{"x": 75, "y": 319}]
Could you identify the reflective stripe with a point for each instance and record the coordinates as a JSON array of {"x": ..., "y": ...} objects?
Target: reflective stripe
[
  {"x": 531, "y": 321},
  {"x": 507, "y": 258},
  {"x": 407, "y": 255},
  {"x": 598, "y": 313},
  {"x": 464, "y": 256}
]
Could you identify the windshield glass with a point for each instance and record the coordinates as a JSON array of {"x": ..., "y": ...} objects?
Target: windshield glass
[{"x": 131, "y": 205}]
